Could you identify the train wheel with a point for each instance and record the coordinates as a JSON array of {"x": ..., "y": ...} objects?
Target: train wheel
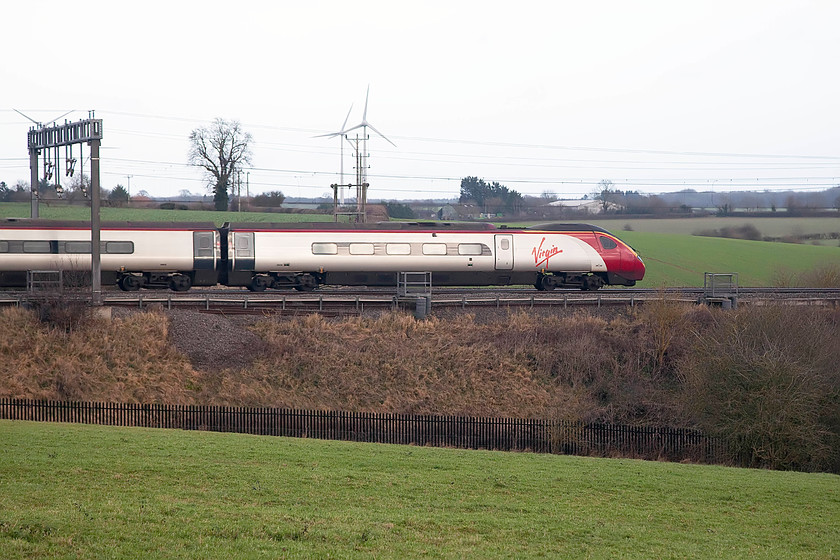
[
  {"x": 591, "y": 283},
  {"x": 549, "y": 283},
  {"x": 180, "y": 283},
  {"x": 538, "y": 284},
  {"x": 306, "y": 283},
  {"x": 258, "y": 284},
  {"x": 129, "y": 283}
]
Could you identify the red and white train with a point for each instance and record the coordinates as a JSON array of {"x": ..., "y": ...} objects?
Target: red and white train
[{"x": 304, "y": 256}]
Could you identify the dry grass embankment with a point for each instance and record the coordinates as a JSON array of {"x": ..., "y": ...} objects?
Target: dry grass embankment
[
  {"x": 128, "y": 359},
  {"x": 764, "y": 379}
]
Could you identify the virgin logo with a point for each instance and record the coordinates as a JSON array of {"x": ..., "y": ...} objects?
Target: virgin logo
[{"x": 541, "y": 255}]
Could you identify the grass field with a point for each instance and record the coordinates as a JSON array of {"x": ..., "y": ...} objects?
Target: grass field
[
  {"x": 70, "y": 491},
  {"x": 681, "y": 260},
  {"x": 77, "y": 212},
  {"x": 770, "y": 226}
]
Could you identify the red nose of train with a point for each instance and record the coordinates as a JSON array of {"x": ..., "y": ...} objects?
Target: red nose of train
[{"x": 632, "y": 266}]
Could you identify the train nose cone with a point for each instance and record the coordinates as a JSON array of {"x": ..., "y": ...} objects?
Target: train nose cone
[{"x": 635, "y": 267}]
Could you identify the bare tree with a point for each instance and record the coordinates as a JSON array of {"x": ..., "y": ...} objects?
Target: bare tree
[
  {"x": 220, "y": 149},
  {"x": 604, "y": 193}
]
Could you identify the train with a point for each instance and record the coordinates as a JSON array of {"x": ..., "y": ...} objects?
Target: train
[{"x": 304, "y": 256}]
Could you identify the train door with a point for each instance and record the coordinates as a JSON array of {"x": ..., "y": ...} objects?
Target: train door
[
  {"x": 204, "y": 257},
  {"x": 243, "y": 250},
  {"x": 204, "y": 250},
  {"x": 504, "y": 252}
]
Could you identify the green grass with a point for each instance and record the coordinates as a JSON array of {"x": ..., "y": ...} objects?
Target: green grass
[
  {"x": 681, "y": 260},
  {"x": 78, "y": 212},
  {"x": 69, "y": 491},
  {"x": 769, "y": 226}
]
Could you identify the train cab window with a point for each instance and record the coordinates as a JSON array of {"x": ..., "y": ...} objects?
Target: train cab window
[
  {"x": 505, "y": 244},
  {"x": 119, "y": 247},
  {"x": 607, "y": 243},
  {"x": 4, "y": 246},
  {"x": 469, "y": 248},
  {"x": 324, "y": 249},
  {"x": 36, "y": 246},
  {"x": 361, "y": 248},
  {"x": 398, "y": 249},
  {"x": 434, "y": 248}
]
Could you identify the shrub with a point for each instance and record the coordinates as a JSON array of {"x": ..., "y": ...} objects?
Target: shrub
[
  {"x": 766, "y": 381},
  {"x": 746, "y": 231},
  {"x": 273, "y": 199}
]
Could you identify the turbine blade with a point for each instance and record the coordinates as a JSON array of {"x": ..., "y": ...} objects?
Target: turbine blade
[
  {"x": 329, "y": 135},
  {"x": 64, "y": 115},
  {"x": 355, "y": 127},
  {"x": 26, "y": 116},
  {"x": 347, "y": 117},
  {"x": 364, "y": 115},
  {"x": 380, "y": 134}
]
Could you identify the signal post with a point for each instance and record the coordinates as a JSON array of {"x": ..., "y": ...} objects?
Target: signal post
[{"x": 86, "y": 131}]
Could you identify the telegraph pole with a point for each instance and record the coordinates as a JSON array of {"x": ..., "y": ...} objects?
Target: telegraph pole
[
  {"x": 33, "y": 181},
  {"x": 95, "y": 246}
]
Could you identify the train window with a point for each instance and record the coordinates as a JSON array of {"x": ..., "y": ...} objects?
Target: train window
[
  {"x": 119, "y": 247},
  {"x": 203, "y": 242},
  {"x": 4, "y": 246},
  {"x": 361, "y": 248},
  {"x": 434, "y": 248},
  {"x": 324, "y": 249},
  {"x": 398, "y": 249},
  {"x": 469, "y": 248},
  {"x": 243, "y": 244},
  {"x": 36, "y": 246},
  {"x": 505, "y": 244},
  {"x": 607, "y": 243},
  {"x": 77, "y": 247}
]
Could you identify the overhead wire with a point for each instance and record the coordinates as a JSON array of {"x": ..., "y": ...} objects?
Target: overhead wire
[{"x": 611, "y": 166}]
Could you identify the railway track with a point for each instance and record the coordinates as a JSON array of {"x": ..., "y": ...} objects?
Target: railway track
[{"x": 341, "y": 301}]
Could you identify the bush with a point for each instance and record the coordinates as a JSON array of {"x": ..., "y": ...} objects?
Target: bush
[
  {"x": 273, "y": 199},
  {"x": 746, "y": 231},
  {"x": 827, "y": 276},
  {"x": 173, "y": 206},
  {"x": 766, "y": 381},
  {"x": 399, "y": 210}
]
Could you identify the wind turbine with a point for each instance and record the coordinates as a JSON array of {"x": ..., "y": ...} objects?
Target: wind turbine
[
  {"x": 361, "y": 157},
  {"x": 341, "y": 142},
  {"x": 364, "y": 125}
]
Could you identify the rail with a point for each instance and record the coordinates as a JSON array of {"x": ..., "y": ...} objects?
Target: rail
[{"x": 339, "y": 302}]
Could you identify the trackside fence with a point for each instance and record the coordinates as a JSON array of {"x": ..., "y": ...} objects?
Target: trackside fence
[{"x": 504, "y": 434}]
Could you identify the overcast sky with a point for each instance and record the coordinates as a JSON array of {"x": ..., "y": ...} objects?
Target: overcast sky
[{"x": 541, "y": 96}]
